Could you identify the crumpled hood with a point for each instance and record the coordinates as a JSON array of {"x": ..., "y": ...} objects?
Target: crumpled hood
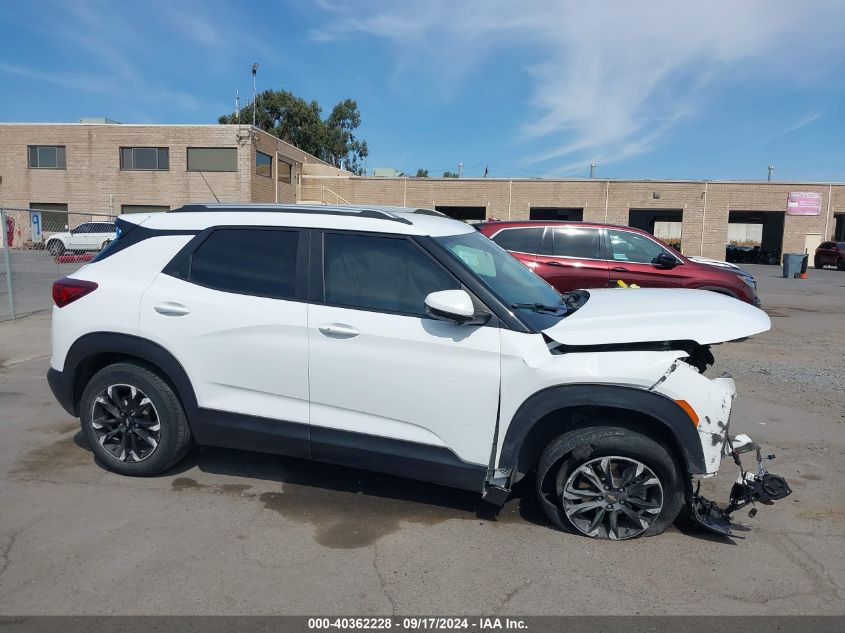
[{"x": 635, "y": 315}]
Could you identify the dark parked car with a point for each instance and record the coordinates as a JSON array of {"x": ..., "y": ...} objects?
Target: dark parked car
[
  {"x": 830, "y": 254},
  {"x": 572, "y": 255}
]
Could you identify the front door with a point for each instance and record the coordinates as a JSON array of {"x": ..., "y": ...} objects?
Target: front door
[
  {"x": 390, "y": 385},
  {"x": 631, "y": 258},
  {"x": 235, "y": 319}
]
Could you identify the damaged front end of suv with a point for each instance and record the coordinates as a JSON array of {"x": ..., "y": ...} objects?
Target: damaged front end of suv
[
  {"x": 709, "y": 403},
  {"x": 675, "y": 330}
]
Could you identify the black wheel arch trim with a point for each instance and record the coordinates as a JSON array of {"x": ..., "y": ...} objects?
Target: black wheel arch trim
[
  {"x": 624, "y": 397},
  {"x": 65, "y": 383}
]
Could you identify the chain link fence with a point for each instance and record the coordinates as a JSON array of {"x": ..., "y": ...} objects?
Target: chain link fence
[{"x": 40, "y": 246}]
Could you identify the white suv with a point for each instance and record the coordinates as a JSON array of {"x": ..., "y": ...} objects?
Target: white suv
[
  {"x": 90, "y": 236},
  {"x": 404, "y": 342}
]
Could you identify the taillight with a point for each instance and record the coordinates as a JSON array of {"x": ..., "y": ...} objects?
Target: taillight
[{"x": 68, "y": 290}]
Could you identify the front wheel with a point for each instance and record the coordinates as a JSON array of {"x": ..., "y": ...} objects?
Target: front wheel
[
  {"x": 104, "y": 244},
  {"x": 840, "y": 264},
  {"x": 609, "y": 483},
  {"x": 817, "y": 263},
  {"x": 133, "y": 420},
  {"x": 56, "y": 248}
]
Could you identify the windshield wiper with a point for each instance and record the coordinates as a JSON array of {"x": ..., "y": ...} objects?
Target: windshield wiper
[{"x": 539, "y": 307}]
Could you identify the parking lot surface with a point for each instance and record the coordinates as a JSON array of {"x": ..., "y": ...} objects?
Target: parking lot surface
[{"x": 230, "y": 532}]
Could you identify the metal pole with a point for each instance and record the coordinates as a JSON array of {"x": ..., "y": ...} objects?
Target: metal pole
[
  {"x": 592, "y": 170},
  {"x": 771, "y": 169},
  {"x": 254, "y": 71},
  {"x": 7, "y": 262}
]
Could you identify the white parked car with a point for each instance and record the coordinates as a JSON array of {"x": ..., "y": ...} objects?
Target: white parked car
[
  {"x": 404, "y": 342},
  {"x": 90, "y": 236}
]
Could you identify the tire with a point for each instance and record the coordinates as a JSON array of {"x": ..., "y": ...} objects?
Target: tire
[
  {"x": 840, "y": 264},
  {"x": 817, "y": 264},
  {"x": 55, "y": 247},
  {"x": 130, "y": 449},
  {"x": 106, "y": 243},
  {"x": 566, "y": 459}
]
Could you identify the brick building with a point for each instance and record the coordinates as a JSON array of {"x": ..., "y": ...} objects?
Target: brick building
[{"x": 101, "y": 167}]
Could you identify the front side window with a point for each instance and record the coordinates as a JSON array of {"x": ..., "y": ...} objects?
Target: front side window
[
  {"x": 382, "y": 274},
  {"x": 520, "y": 240},
  {"x": 564, "y": 241},
  {"x": 248, "y": 261},
  {"x": 631, "y": 247},
  {"x": 502, "y": 273},
  {"x": 212, "y": 159},
  {"x": 263, "y": 164},
  {"x": 47, "y": 157},
  {"x": 144, "y": 158}
]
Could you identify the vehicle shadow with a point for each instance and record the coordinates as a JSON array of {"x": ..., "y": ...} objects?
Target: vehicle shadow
[{"x": 354, "y": 501}]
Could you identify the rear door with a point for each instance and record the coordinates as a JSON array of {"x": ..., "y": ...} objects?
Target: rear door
[
  {"x": 231, "y": 309},
  {"x": 572, "y": 257},
  {"x": 631, "y": 258}
]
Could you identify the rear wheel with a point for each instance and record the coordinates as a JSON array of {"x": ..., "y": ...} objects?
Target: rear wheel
[
  {"x": 133, "y": 420},
  {"x": 106, "y": 243},
  {"x": 55, "y": 247},
  {"x": 817, "y": 263},
  {"x": 609, "y": 483}
]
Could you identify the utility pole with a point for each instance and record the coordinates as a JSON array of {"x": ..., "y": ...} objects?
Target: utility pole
[
  {"x": 771, "y": 171},
  {"x": 254, "y": 72},
  {"x": 237, "y": 106}
]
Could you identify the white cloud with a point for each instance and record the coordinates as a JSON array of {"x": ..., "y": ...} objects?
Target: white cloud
[{"x": 608, "y": 79}]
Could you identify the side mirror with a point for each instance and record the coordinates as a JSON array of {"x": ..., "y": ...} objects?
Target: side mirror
[
  {"x": 665, "y": 260},
  {"x": 450, "y": 305}
]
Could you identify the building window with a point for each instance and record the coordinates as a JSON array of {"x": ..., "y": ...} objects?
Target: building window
[
  {"x": 285, "y": 170},
  {"x": 263, "y": 164},
  {"x": 212, "y": 159},
  {"x": 53, "y": 215},
  {"x": 143, "y": 208},
  {"x": 144, "y": 158},
  {"x": 47, "y": 157}
]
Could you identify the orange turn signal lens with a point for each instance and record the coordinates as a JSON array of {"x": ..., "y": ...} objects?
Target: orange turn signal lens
[{"x": 689, "y": 410}]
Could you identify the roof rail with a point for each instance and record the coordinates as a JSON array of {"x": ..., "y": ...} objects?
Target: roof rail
[{"x": 361, "y": 212}]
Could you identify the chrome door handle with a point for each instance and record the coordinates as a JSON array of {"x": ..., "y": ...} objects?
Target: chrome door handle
[
  {"x": 337, "y": 330},
  {"x": 169, "y": 308}
]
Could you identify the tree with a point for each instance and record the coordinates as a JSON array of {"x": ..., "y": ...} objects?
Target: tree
[
  {"x": 449, "y": 174},
  {"x": 422, "y": 173},
  {"x": 300, "y": 123}
]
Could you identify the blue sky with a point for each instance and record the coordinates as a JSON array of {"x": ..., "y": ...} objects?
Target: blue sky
[{"x": 661, "y": 89}]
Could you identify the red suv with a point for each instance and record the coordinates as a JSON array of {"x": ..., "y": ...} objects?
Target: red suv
[
  {"x": 572, "y": 255},
  {"x": 830, "y": 254}
]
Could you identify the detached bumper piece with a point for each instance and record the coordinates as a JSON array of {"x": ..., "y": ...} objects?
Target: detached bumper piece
[{"x": 749, "y": 489}]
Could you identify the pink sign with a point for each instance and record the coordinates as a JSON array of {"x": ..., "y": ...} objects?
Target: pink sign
[{"x": 803, "y": 203}]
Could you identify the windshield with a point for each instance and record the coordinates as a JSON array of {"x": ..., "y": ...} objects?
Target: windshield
[{"x": 502, "y": 273}]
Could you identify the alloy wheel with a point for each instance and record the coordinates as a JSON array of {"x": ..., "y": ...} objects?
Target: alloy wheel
[
  {"x": 126, "y": 423},
  {"x": 612, "y": 497}
]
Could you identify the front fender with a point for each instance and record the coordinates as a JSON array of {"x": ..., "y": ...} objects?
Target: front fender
[{"x": 666, "y": 412}]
